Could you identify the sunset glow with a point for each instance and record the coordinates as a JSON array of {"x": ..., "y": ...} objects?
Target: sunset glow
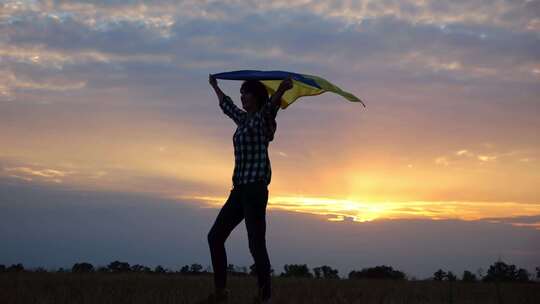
[
  {"x": 110, "y": 100},
  {"x": 340, "y": 210}
]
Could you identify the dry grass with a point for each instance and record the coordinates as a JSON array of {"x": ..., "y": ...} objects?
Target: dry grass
[{"x": 174, "y": 288}]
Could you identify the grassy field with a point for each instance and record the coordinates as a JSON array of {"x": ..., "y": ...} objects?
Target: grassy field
[{"x": 175, "y": 288}]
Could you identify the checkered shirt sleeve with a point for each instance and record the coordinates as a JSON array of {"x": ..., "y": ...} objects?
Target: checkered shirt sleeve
[{"x": 230, "y": 109}]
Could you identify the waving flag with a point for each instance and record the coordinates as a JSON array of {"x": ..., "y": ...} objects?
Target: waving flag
[{"x": 303, "y": 84}]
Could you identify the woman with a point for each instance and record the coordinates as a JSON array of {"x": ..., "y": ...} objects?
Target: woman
[{"x": 256, "y": 126}]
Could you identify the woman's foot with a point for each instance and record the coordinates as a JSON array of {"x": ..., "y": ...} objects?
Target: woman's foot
[
  {"x": 217, "y": 297},
  {"x": 263, "y": 297}
]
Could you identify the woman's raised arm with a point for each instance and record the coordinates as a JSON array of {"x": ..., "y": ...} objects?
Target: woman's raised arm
[
  {"x": 213, "y": 82},
  {"x": 284, "y": 86}
]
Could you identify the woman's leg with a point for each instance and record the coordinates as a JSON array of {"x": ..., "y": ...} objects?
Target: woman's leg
[
  {"x": 256, "y": 199},
  {"x": 230, "y": 215}
]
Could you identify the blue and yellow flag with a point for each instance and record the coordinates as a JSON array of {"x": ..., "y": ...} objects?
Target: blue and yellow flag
[{"x": 303, "y": 84}]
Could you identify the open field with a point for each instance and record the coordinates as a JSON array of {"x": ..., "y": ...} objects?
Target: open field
[{"x": 176, "y": 288}]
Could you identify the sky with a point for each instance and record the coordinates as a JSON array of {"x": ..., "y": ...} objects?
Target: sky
[{"x": 113, "y": 146}]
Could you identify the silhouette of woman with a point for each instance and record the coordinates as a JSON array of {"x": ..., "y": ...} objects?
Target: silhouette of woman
[{"x": 256, "y": 125}]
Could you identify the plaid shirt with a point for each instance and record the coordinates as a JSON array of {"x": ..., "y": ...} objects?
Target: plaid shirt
[{"x": 253, "y": 133}]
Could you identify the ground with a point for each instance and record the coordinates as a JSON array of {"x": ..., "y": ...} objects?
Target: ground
[{"x": 177, "y": 288}]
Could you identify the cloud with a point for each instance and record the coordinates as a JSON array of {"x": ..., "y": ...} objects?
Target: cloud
[
  {"x": 115, "y": 74},
  {"x": 57, "y": 59},
  {"x": 488, "y": 155},
  {"x": 283, "y": 154},
  {"x": 50, "y": 85},
  {"x": 464, "y": 152},
  {"x": 486, "y": 158},
  {"x": 27, "y": 173},
  {"x": 461, "y": 50},
  {"x": 336, "y": 209},
  {"x": 139, "y": 55},
  {"x": 441, "y": 160},
  {"x": 531, "y": 221},
  {"x": 42, "y": 173},
  {"x": 13, "y": 84},
  {"x": 64, "y": 227}
]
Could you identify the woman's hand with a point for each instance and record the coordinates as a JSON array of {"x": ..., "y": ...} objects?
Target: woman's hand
[
  {"x": 212, "y": 80},
  {"x": 285, "y": 85}
]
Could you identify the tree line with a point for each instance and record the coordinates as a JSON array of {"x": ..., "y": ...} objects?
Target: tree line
[{"x": 497, "y": 272}]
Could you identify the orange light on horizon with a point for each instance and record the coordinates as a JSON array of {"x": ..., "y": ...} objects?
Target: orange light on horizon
[{"x": 361, "y": 211}]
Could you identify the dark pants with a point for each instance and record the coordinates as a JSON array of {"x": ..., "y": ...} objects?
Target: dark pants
[{"x": 245, "y": 202}]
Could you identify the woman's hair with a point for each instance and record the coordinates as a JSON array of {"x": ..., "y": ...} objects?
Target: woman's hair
[{"x": 256, "y": 88}]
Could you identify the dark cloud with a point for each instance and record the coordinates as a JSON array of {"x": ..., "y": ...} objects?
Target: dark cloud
[
  {"x": 43, "y": 226},
  {"x": 530, "y": 219},
  {"x": 70, "y": 34},
  {"x": 300, "y": 35},
  {"x": 386, "y": 48}
]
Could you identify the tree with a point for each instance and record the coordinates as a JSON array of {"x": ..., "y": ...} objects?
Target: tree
[
  {"x": 317, "y": 271},
  {"x": 140, "y": 268},
  {"x": 377, "y": 272},
  {"x": 502, "y": 272},
  {"x": 325, "y": 272},
  {"x": 450, "y": 276},
  {"x": 238, "y": 271},
  {"x": 538, "y": 272},
  {"x": 2, "y": 268},
  {"x": 522, "y": 275},
  {"x": 439, "y": 275},
  {"x": 103, "y": 269},
  {"x": 118, "y": 266},
  {"x": 468, "y": 276},
  {"x": 82, "y": 268},
  {"x": 184, "y": 269},
  {"x": 16, "y": 268},
  {"x": 480, "y": 273},
  {"x": 196, "y": 268},
  {"x": 159, "y": 269},
  {"x": 297, "y": 271}
]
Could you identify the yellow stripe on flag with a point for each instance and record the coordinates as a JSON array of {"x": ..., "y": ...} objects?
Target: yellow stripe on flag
[{"x": 299, "y": 89}]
